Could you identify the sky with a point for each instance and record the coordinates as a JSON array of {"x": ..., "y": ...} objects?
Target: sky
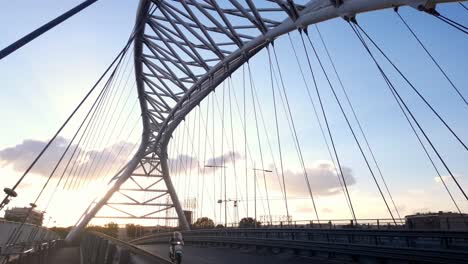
[{"x": 41, "y": 83}]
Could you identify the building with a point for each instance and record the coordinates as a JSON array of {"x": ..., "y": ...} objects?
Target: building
[
  {"x": 18, "y": 214},
  {"x": 437, "y": 221}
]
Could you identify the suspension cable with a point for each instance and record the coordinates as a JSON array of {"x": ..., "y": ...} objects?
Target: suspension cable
[
  {"x": 431, "y": 57},
  {"x": 44, "y": 28},
  {"x": 295, "y": 133},
  {"x": 204, "y": 153},
  {"x": 358, "y": 122},
  {"x": 351, "y": 128},
  {"x": 318, "y": 119},
  {"x": 86, "y": 172},
  {"x": 328, "y": 129},
  {"x": 245, "y": 140},
  {"x": 390, "y": 86},
  {"x": 446, "y": 20},
  {"x": 247, "y": 146},
  {"x": 122, "y": 146},
  {"x": 278, "y": 134},
  {"x": 77, "y": 168},
  {"x": 269, "y": 142},
  {"x": 91, "y": 110},
  {"x": 118, "y": 136},
  {"x": 96, "y": 173},
  {"x": 84, "y": 137},
  {"x": 223, "y": 164},
  {"x": 395, "y": 92},
  {"x": 218, "y": 108},
  {"x": 192, "y": 137},
  {"x": 427, "y": 138},
  {"x": 413, "y": 87},
  {"x": 117, "y": 58},
  {"x": 233, "y": 153},
  {"x": 198, "y": 157},
  {"x": 78, "y": 146},
  {"x": 464, "y": 6},
  {"x": 258, "y": 137}
]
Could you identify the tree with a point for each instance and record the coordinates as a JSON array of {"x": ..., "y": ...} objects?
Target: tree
[
  {"x": 248, "y": 222},
  {"x": 203, "y": 223},
  {"x": 110, "y": 229},
  {"x": 219, "y": 226},
  {"x": 131, "y": 230},
  {"x": 61, "y": 231}
]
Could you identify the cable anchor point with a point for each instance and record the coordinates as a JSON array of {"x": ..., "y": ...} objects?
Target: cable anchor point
[
  {"x": 351, "y": 19},
  {"x": 10, "y": 192}
]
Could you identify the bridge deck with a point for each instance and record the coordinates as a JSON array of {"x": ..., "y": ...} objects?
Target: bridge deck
[
  {"x": 215, "y": 255},
  {"x": 69, "y": 255}
]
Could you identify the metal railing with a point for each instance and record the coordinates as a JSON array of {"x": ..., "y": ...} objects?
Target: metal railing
[
  {"x": 97, "y": 248},
  {"x": 32, "y": 254},
  {"x": 25, "y": 243},
  {"x": 449, "y": 223},
  {"x": 27, "y": 233},
  {"x": 425, "y": 246},
  {"x": 381, "y": 223}
]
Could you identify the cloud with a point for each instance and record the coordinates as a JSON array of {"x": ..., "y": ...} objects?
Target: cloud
[
  {"x": 183, "y": 163},
  {"x": 227, "y": 158},
  {"x": 19, "y": 157},
  {"x": 446, "y": 178},
  {"x": 322, "y": 178}
]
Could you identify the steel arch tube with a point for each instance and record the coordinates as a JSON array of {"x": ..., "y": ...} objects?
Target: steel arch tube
[
  {"x": 133, "y": 163},
  {"x": 315, "y": 11}
]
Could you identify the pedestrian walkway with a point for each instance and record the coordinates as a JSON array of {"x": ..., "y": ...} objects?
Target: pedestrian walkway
[{"x": 68, "y": 255}]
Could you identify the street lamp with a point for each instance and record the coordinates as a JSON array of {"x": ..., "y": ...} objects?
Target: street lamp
[
  {"x": 235, "y": 202},
  {"x": 220, "y": 201},
  {"x": 255, "y": 192}
]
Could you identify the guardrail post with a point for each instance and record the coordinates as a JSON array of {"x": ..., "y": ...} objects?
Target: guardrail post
[
  {"x": 445, "y": 242},
  {"x": 111, "y": 249},
  {"x": 101, "y": 251},
  {"x": 378, "y": 224},
  {"x": 92, "y": 248},
  {"x": 124, "y": 256}
]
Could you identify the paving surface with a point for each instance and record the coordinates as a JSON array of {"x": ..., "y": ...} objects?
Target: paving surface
[
  {"x": 210, "y": 255},
  {"x": 67, "y": 255}
]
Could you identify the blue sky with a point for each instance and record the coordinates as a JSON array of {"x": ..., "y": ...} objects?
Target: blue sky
[{"x": 41, "y": 83}]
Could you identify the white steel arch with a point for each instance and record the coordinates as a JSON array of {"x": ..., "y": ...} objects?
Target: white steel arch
[{"x": 186, "y": 48}]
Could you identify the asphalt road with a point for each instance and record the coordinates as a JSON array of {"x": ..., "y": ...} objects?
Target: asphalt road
[{"x": 210, "y": 255}]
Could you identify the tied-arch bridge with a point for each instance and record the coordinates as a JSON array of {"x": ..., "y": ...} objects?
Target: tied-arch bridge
[{"x": 182, "y": 51}]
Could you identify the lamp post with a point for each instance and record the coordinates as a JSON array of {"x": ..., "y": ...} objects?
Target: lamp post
[
  {"x": 48, "y": 221},
  {"x": 255, "y": 192},
  {"x": 235, "y": 202},
  {"x": 220, "y": 201}
]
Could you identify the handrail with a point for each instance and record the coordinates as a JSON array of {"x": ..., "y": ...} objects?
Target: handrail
[
  {"x": 417, "y": 245},
  {"x": 399, "y": 238},
  {"x": 152, "y": 258}
]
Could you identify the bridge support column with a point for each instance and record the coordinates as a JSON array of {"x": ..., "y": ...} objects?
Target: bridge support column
[{"x": 167, "y": 180}]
